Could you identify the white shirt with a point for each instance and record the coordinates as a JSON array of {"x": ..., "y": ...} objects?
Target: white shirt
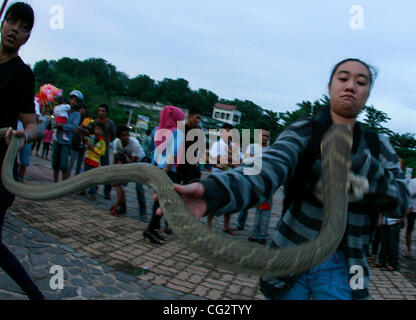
[
  {"x": 411, "y": 185},
  {"x": 253, "y": 149},
  {"x": 132, "y": 149},
  {"x": 61, "y": 110},
  {"x": 218, "y": 148},
  {"x": 173, "y": 148}
]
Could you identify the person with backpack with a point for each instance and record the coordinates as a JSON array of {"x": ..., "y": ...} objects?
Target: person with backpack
[
  {"x": 296, "y": 154},
  {"x": 169, "y": 140}
]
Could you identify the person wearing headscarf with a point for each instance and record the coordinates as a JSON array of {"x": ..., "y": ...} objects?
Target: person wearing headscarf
[{"x": 168, "y": 140}]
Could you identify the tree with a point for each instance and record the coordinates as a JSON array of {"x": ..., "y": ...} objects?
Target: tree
[
  {"x": 175, "y": 92},
  {"x": 142, "y": 87},
  {"x": 102, "y": 83},
  {"x": 374, "y": 119}
]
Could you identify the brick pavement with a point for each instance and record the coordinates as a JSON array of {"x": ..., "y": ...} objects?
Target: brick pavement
[{"x": 87, "y": 228}]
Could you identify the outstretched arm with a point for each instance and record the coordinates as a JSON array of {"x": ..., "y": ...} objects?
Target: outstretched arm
[{"x": 30, "y": 133}]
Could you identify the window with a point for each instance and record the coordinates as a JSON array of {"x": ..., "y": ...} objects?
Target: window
[
  {"x": 236, "y": 118},
  {"x": 222, "y": 115},
  {"x": 217, "y": 114}
]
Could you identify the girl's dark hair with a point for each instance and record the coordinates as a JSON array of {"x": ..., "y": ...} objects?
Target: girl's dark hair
[
  {"x": 60, "y": 99},
  {"x": 103, "y": 105},
  {"x": 99, "y": 125},
  {"x": 121, "y": 129},
  {"x": 371, "y": 70},
  {"x": 120, "y": 158},
  {"x": 23, "y": 12},
  {"x": 194, "y": 110}
]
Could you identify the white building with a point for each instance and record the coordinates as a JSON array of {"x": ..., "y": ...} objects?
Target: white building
[{"x": 226, "y": 113}]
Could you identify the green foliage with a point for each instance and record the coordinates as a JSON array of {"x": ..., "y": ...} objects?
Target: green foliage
[
  {"x": 143, "y": 88},
  {"x": 405, "y": 146},
  {"x": 100, "y": 82},
  {"x": 374, "y": 119}
]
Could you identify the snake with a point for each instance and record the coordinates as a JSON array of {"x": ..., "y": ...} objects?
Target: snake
[{"x": 223, "y": 252}]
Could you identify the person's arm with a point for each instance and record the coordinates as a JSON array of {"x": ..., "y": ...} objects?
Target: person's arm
[
  {"x": 115, "y": 149},
  {"x": 73, "y": 121},
  {"x": 137, "y": 153},
  {"x": 24, "y": 82},
  {"x": 387, "y": 192},
  {"x": 29, "y": 133},
  {"x": 232, "y": 191},
  {"x": 99, "y": 148},
  {"x": 140, "y": 152},
  {"x": 215, "y": 154}
]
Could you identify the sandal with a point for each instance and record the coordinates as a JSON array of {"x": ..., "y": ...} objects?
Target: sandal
[
  {"x": 390, "y": 269},
  {"x": 114, "y": 212},
  {"x": 230, "y": 232}
]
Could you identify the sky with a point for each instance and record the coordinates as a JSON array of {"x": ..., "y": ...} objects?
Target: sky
[{"x": 274, "y": 53}]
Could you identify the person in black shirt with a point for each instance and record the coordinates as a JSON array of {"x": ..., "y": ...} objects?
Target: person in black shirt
[
  {"x": 190, "y": 171},
  {"x": 17, "y": 91}
]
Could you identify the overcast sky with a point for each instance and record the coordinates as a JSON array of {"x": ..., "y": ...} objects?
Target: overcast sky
[{"x": 274, "y": 53}]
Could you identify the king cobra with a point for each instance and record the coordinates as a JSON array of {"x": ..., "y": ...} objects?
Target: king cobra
[{"x": 231, "y": 254}]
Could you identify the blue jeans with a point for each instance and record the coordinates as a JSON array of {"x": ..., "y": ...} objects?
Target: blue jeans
[
  {"x": 242, "y": 218},
  {"x": 105, "y": 161},
  {"x": 327, "y": 281},
  {"x": 77, "y": 158},
  {"x": 261, "y": 224},
  {"x": 24, "y": 155},
  {"x": 93, "y": 190},
  {"x": 60, "y": 156},
  {"x": 141, "y": 200}
]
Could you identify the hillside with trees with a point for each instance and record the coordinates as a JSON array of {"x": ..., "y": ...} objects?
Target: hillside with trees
[{"x": 102, "y": 83}]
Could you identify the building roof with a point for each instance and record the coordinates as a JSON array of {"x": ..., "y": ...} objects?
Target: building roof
[{"x": 225, "y": 106}]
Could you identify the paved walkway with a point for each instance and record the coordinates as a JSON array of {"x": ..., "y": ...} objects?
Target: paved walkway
[{"x": 104, "y": 257}]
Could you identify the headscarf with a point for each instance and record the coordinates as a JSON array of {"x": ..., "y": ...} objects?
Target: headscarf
[{"x": 169, "y": 117}]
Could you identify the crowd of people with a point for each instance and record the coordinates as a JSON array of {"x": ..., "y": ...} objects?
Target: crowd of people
[{"x": 80, "y": 143}]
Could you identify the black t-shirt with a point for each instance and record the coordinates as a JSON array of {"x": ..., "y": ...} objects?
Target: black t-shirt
[
  {"x": 17, "y": 93},
  {"x": 188, "y": 172}
]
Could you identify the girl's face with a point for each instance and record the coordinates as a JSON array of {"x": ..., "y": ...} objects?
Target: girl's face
[
  {"x": 124, "y": 137},
  {"x": 349, "y": 89},
  {"x": 98, "y": 131}
]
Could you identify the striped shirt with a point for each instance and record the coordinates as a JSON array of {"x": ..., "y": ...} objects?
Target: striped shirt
[{"x": 302, "y": 223}]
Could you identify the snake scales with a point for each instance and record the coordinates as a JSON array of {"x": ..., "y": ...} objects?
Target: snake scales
[{"x": 234, "y": 255}]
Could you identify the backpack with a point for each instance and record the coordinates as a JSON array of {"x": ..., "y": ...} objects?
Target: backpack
[{"x": 303, "y": 178}]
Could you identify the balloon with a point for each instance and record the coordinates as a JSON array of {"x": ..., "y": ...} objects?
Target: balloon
[{"x": 48, "y": 93}]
